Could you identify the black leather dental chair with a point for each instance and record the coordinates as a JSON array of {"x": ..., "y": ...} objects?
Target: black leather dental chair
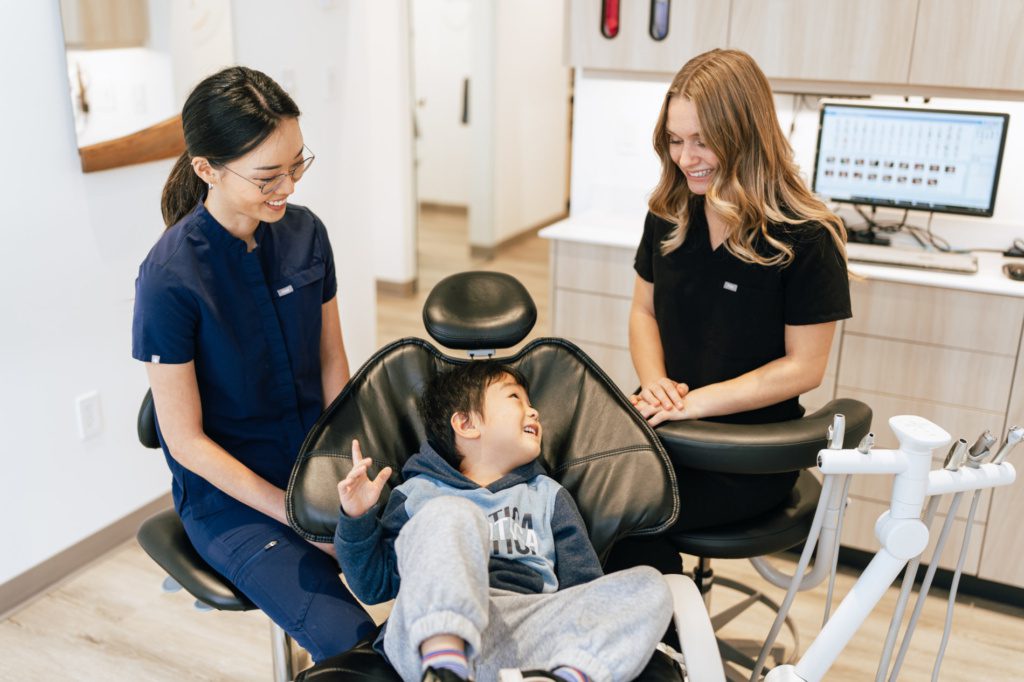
[
  {"x": 756, "y": 449},
  {"x": 595, "y": 444}
]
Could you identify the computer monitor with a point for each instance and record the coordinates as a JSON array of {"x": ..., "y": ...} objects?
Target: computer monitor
[{"x": 918, "y": 159}]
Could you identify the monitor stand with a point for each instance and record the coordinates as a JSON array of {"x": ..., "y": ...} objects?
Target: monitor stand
[{"x": 867, "y": 235}]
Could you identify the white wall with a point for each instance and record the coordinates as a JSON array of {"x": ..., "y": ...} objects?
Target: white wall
[
  {"x": 519, "y": 103},
  {"x": 615, "y": 168},
  {"x": 531, "y": 116},
  {"x": 442, "y": 58},
  {"x": 72, "y": 243},
  {"x": 318, "y": 53}
]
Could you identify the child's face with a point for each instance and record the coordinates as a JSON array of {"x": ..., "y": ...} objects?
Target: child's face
[{"x": 510, "y": 433}]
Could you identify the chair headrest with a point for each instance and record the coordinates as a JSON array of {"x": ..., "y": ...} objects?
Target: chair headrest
[{"x": 479, "y": 310}]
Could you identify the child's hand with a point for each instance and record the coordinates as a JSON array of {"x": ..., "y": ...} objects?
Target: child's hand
[{"x": 357, "y": 492}]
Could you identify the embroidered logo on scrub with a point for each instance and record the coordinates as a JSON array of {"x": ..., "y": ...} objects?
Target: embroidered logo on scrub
[
  {"x": 730, "y": 286},
  {"x": 510, "y": 535},
  {"x": 285, "y": 291}
]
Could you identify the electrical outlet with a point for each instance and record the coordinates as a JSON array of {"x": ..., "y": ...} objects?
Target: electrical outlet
[{"x": 90, "y": 419}]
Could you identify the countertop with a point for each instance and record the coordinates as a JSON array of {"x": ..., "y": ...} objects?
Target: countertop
[{"x": 624, "y": 232}]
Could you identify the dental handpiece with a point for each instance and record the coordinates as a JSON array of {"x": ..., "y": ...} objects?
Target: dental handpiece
[
  {"x": 977, "y": 453},
  {"x": 837, "y": 432},
  {"x": 866, "y": 443},
  {"x": 956, "y": 456},
  {"x": 1013, "y": 436}
]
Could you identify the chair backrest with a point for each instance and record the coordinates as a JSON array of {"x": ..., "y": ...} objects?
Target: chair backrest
[{"x": 595, "y": 444}]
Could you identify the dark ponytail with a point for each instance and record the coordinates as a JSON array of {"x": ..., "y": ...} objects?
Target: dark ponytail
[{"x": 227, "y": 115}]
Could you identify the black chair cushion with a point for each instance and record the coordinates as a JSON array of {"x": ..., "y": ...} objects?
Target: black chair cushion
[
  {"x": 164, "y": 539},
  {"x": 786, "y": 526},
  {"x": 479, "y": 310},
  {"x": 761, "y": 448},
  {"x": 145, "y": 423},
  {"x": 595, "y": 444}
]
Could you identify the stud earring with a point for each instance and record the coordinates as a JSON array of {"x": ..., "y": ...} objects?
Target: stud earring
[{"x": 209, "y": 185}]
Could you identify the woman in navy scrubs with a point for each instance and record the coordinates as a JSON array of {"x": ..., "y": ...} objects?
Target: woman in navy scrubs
[
  {"x": 741, "y": 277},
  {"x": 236, "y": 318}
]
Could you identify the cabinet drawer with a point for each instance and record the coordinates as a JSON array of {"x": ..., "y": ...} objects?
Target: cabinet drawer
[
  {"x": 957, "y": 319},
  {"x": 859, "y": 533},
  {"x": 1004, "y": 544},
  {"x": 959, "y": 422},
  {"x": 589, "y": 317},
  {"x": 615, "y": 362},
  {"x": 946, "y": 375},
  {"x": 594, "y": 268},
  {"x": 878, "y": 488}
]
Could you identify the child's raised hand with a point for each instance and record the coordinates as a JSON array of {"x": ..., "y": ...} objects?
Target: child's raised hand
[{"x": 357, "y": 492}]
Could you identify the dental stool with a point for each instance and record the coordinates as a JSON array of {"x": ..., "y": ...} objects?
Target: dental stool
[
  {"x": 756, "y": 449},
  {"x": 595, "y": 444},
  {"x": 163, "y": 538}
]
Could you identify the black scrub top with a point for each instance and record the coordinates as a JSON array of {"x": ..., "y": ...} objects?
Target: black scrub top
[
  {"x": 719, "y": 317},
  {"x": 251, "y": 321}
]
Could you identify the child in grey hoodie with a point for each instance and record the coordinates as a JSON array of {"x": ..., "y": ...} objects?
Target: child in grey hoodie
[{"x": 488, "y": 556}]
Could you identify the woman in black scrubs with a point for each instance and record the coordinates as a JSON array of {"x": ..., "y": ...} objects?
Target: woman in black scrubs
[{"x": 741, "y": 276}]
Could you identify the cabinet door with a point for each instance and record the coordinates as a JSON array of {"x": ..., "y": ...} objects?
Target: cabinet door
[
  {"x": 1003, "y": 543},
  {"x": 836, "y": 40},
  {"x": 695, "y": 26},
  {"x": 969, "y": 44}
]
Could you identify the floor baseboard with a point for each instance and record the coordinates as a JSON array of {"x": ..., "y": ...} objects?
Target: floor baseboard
[
  {"x": 404, "y": 289},
  {"x": 36, "y": 581}
]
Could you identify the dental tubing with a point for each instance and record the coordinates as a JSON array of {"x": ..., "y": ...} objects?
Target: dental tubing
[{"x": 836, "y": 434}]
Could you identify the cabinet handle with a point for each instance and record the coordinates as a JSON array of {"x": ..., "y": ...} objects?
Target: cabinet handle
[
  {"x": 610, "y": 18},
  {"x": 659, "y": 19}
]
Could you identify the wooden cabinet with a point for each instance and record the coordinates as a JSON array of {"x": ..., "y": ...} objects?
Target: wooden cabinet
[
  {"x": 969, "y": 44},
  {"x": 592, "y": 288},
  {"x": 832, "y": 40},
  {"x": 695, "y": 26},
  {"x": 951, "y": 356},
  {"x": 909, "y": 47}
]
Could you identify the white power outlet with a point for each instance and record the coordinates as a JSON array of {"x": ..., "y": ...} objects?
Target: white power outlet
[{"x": 90, "y": 418}]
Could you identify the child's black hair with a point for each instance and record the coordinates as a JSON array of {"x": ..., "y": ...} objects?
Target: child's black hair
[{"x": 460, "y": 389}]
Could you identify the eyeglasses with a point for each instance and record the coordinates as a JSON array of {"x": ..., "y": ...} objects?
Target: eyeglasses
[{"x": 271, "y": 185}]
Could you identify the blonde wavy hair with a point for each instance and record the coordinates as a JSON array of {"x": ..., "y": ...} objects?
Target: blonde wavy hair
[{"x": 757, "y": 182}]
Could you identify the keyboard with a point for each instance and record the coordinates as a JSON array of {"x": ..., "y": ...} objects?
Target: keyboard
[{"x": 962, "y": 263}]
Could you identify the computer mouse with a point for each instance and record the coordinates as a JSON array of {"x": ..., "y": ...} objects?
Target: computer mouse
[{"x": 1014, "y": 271}]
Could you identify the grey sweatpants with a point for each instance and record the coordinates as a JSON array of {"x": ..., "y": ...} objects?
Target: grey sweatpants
[{"x": 607, "y": 628}]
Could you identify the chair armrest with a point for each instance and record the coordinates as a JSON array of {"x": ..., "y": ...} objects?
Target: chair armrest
[
  {"x": 761, "y": 448},
  {"x": 696, "y": 636}
]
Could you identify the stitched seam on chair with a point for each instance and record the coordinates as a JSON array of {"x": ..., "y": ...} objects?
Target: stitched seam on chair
[{"x": 602, "y": 455}]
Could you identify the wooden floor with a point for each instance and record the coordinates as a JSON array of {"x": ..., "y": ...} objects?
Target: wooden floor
[{"x": 111, "y": 621}]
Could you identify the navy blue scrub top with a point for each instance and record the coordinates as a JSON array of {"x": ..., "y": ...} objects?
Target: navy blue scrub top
[
  {"x": 719, "y": 317},
  {"x": 251, "y": 321}
]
